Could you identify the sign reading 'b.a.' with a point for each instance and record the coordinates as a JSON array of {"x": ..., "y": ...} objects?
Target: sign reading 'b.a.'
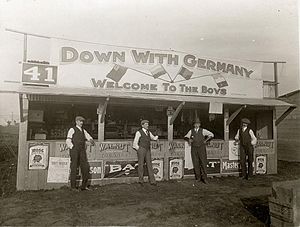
[{"x": 39, "y": 73}]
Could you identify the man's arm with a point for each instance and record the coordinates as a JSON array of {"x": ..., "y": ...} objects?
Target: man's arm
[
  {"x": 136, "y": 140},
  {"x": 237, "y": 136},
  {"x": 152, "y": 137},
  {"x": 207, "y": 133},
  {"x": 69, "y": 138},
  {"x": 253, "y": 138},
  {"x": 88, "y": 137}
]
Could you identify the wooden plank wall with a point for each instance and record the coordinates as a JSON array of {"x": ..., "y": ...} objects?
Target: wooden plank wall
[{"x": 289, "y": 132}]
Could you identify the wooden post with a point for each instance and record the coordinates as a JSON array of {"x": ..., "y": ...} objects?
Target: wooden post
[
  {"x": 25, "y": 48},
  {"x": 22, "y": 168},
  {"x": 276, "y": 79},
  {"x": 170, "y": 112},
  {"x": 101, "y": 123},
  {"x": 275, "y": 141}
]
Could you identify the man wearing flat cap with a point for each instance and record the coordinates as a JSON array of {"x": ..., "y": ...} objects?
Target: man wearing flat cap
[
  {"x": 197, "y": 138},
  {"x": 141, "y": 144},
  {"x": 76, "y": 138},
  {"x": 247, "y": 142}
]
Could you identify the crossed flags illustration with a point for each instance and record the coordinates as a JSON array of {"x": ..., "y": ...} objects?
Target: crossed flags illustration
[{"x": 118, "y": 71}]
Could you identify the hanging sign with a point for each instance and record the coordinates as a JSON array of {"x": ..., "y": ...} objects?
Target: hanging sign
[
  {"x": 39, "y": 73},
  {"x": 38, "y": 156},
  {"x": 156, "y": 71},
  {"x": 59, "y": 169}
]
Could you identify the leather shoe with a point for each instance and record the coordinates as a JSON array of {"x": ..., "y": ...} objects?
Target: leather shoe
[
  {"x": 205, "y": 181},
  {"x": 153, "y": 184}
]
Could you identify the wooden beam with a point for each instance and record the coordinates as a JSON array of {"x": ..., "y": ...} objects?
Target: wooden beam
[
  {"x": 232, "y": 116},
  {"x": 175, "y": 114},
  {"x": 103, "y": 111},
  {"x": 284, "y": 115}
]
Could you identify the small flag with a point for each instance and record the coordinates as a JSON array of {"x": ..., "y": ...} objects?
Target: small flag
[
  {"x": 157, "y": 71},
  {"x": 185, "y": 73},
  {"x": 220, "y": 80},
  {"x": 117, "y": 73}
]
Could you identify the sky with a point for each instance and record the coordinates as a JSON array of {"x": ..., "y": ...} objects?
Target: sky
[{"x": 230, "y": 29}]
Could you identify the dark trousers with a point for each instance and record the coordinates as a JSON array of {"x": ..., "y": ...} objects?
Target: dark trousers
[
  {"x": 78, "y": 158},
  {"x": 199, "y": 159},
  {"x": 246, "y": 150},
  {"x": 145, "y": 155}
]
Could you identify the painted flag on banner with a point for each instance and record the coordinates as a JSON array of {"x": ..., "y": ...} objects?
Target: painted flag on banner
[
  {"x": 117, "y": 73},
  {"x": 158, "y": 71},
  {"x": 220, "y": 80},
  {"x": 185, "y": 73}
]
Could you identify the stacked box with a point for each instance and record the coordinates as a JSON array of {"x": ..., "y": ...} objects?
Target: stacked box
[{"x": 284, "y": 205}]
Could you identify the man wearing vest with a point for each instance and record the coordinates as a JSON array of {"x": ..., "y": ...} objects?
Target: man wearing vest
[
  {"x": 76, "y": 143},
  {"x": 141, "y": 143},
  {"x": 247, "y": 140},
  {"x": 197, "y": 138}
]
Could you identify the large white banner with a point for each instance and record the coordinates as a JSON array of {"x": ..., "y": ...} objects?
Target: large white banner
[{"x": 153, "y": 71}]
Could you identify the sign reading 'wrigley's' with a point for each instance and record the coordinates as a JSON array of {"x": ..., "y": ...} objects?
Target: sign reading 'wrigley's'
[{"x": 155, "y": 71}]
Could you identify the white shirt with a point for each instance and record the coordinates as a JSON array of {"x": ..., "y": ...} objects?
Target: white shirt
[
  {"x": 205, "y": 132},
  {"x": 137, "y": 138},
  {"x": 253, "y": 138},
  {"x": 71, "y": 133}
]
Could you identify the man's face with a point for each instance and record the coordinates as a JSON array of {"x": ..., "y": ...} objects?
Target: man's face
[
  {"x": 79, "y": 123},
  {"x": 244, "y": 125},
  {"x": 145, "y": 126},
  {"x": 197, "y": 125}
]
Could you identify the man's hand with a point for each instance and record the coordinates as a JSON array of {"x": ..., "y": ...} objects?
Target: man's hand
[{"x": 92, "y": 142}]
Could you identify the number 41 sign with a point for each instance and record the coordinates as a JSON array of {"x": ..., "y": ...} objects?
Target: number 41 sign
[{"x": 39, "y": 73}]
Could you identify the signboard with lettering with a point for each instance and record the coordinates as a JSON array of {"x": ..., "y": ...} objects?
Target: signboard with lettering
[
  {"x": 158, "y": 169},
  {"x": 39, "y": 74},
  {"x": 213, "y": 166},
  {"x": 58, "y": 171},
  {"x": 230, "y": 166},
  {"x": 176, "y": 168},
  {"x": 38, "y": 155},
  {"x": 96, "y": 169},
  {"x": 234, "y": 150},
  {"x": 141, "y": 70},
  {"x": 116, "y": 169},
  {"x": 264, "y": 147},
  {"x": 261, "y": 164}
]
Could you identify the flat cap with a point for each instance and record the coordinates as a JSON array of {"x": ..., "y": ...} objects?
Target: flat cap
[
  {"x": 246, "y": 121},
  {"x": 197, "y": 121},
  {"x": 79, "y": 118},
  {"x": 144, "y": 121}
]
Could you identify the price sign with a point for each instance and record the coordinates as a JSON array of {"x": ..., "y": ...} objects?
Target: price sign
[{"x": 39, "y": 73}]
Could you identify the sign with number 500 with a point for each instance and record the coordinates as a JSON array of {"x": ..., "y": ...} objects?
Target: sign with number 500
[{"x": 38, "y": 73}]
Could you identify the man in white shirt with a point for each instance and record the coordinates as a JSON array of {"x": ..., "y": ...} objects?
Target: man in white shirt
[
  {"x": 141, "y": 143},
  {"x": 76, "y": 143},
  {"x": 197, "y": 138},
  {"x": 247, "y": 140}
]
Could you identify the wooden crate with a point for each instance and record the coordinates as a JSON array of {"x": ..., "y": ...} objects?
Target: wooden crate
[{"x": 284, "y": 205}]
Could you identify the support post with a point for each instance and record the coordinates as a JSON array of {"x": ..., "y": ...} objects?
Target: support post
[
  {"x": 175, "y": 114},
  {"x": 276, "y": 79},
  {"x": 101, "y": 111},
  {"x": 170, "y": 112}
]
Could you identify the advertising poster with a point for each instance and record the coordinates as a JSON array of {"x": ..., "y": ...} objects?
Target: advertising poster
[
  {"x": 38, "y": 156},
  {"x": 158, "y": 169},
  {"x": 234, "y": 150},
  {"x": 96, "y": 170},
  {"x": 213, "y": 166},
  {"x": 261, "y": 164},
  {"x": 58, "y": 171},
  {"x": 230, "y": 166},
  {"x": 116, "y": 169},
  {"x": 176, "y": 167},
  {"x": 188, "y": 164}
]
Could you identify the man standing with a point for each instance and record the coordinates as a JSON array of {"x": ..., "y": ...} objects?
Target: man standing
[
  {"x": 141, "y": 143},
  {"x": 76, "y": 143},
  {"x": 197, "y": 138},
  {"x": 247, "y": 140}
]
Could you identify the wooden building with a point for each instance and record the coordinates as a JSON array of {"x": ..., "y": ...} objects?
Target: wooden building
[
  {"x": 289, "y": 130},
  {"x": 115, "y": 87}
]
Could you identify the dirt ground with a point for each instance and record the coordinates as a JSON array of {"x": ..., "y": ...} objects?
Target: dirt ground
[{"x": 226, "y": 201}]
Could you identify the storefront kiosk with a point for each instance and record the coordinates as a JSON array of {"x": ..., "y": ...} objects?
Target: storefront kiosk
[{"x": 114, "y": 88}]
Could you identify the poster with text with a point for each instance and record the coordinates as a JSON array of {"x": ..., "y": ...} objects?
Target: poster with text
[
  {"x": 116, "y": 169},
  {"x": 58, "y": 171},
  {"x": 234, "y": 150},
  {"x": 213, "y": 166},
  {"x": 38, "y": 156},
  {"x": 176, "y": 168},
  {"x": 158, "y": 169},
  {"x": 230, "y": 166},
  {"x": 261, "y": 164}
]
